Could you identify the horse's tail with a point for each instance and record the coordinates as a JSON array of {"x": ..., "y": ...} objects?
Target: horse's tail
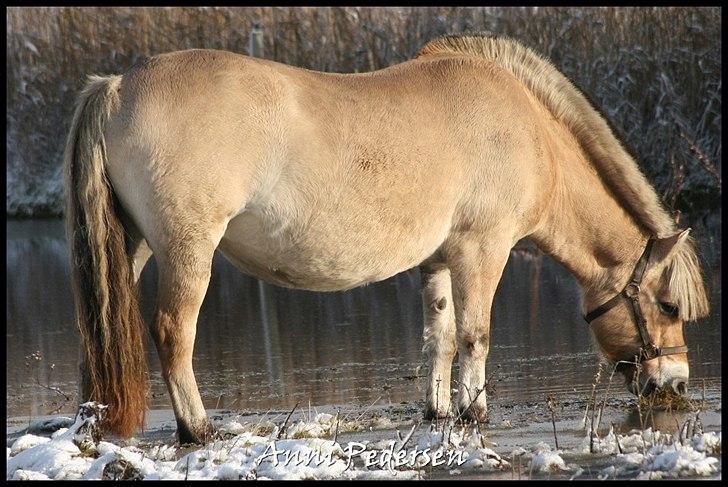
[{"x": 113, "y": 368}]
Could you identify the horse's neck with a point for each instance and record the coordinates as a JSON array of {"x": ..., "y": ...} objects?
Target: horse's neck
[{"x": 586, "y": 229}]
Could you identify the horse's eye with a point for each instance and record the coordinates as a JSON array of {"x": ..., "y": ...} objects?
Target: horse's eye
[{"x": 668, "y": 309}]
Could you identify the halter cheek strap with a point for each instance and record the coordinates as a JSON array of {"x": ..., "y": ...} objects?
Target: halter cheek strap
[{"x": 631, "y": 293}]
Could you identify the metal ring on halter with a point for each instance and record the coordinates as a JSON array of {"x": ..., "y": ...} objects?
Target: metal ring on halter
[{"x": 632, "y": 289}]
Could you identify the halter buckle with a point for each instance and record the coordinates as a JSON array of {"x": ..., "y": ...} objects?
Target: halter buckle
[
  {"x": 650, "y": 351},
  {"x": 632, "y": 290}
]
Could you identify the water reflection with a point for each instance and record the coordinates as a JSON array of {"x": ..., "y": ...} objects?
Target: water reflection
[{"x": 259, "y": 346}]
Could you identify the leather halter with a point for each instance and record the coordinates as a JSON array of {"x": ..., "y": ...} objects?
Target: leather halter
[{"x": 631, "y": 292}]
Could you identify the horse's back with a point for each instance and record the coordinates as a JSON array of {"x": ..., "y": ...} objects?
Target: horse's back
[{"x": 321, "y": 181}]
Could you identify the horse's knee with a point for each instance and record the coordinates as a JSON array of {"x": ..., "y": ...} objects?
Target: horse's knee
[{"x": 474, "y": 345}]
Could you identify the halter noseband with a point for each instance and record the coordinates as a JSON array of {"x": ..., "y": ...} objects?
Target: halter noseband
[{"x": 631, "y": 292}]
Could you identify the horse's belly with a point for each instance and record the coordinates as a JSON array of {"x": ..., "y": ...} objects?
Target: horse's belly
[{"x": 327, "y": 255}]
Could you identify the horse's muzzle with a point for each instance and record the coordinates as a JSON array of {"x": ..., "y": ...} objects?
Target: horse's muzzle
[{"x": 678, "y": 385}]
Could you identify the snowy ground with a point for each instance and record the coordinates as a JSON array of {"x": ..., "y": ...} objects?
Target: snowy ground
[{"x": 391, "y": 443}]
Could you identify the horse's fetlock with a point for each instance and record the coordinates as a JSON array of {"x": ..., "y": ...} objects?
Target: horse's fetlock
[{"x": 475, "y": 343}]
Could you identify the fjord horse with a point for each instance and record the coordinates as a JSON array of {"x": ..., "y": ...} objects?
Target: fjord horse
[{"x": 325, "y": 182}]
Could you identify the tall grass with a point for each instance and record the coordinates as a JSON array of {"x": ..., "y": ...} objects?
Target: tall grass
[{"x": 654, "y": 72}]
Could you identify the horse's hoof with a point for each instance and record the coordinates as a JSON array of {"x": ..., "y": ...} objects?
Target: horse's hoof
[
  {"x": 432, "y": 414},
  {"x": 195, "y": 435},
  {"x": 473, "y": 413}
]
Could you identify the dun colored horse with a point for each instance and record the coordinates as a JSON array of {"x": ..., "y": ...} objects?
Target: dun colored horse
[{"x": 327, "y": 181}]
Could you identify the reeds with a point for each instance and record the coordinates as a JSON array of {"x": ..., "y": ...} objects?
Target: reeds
[
  {"x": 666, "y": 399},
  {"x": 655, "y": 72}
]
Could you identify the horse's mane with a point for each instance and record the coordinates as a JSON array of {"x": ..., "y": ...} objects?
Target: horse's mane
[{"x": 616, "y": 167}]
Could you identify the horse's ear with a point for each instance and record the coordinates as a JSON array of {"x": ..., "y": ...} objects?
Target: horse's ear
[{"x": 665, "y": 247}]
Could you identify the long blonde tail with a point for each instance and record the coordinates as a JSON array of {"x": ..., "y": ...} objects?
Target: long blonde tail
[{"x": 113, "y": 368}]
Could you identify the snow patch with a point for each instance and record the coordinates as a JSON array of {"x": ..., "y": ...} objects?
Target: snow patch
[
  {"x": 25, "y": 442},
  {"x": 545, "y": 460},
  {"x": 657, "y": 455},
  {"x": 76, "y": 452}
]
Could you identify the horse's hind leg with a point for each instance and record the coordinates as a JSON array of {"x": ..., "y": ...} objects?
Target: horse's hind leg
[
  {"x": 476, "y": 268},
  {"x": 439, "y": 337},
  {"x": 184, "y": 274}
]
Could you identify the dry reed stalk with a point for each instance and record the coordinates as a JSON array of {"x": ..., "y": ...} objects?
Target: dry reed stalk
[
  {"x": 285, "y": 423},
  {"x": 551, "y": 404}
]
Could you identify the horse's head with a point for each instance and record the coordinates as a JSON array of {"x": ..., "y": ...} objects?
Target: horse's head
[{"x": 670, "y": 292}]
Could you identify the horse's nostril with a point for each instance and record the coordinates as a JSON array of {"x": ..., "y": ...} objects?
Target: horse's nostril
[{"x": 680, "y": 386}]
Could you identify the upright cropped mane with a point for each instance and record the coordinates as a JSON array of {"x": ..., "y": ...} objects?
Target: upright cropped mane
[{"x": 617, "y": 169}]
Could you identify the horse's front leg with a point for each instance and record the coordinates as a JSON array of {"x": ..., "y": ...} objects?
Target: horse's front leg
[
  {"x": 438, "y": 337},
  {"x": 184, "y": 274},
  {"x": 476, "y": 269}
]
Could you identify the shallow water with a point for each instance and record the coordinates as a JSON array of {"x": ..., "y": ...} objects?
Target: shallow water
[{"x": 260, "y": 347}]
